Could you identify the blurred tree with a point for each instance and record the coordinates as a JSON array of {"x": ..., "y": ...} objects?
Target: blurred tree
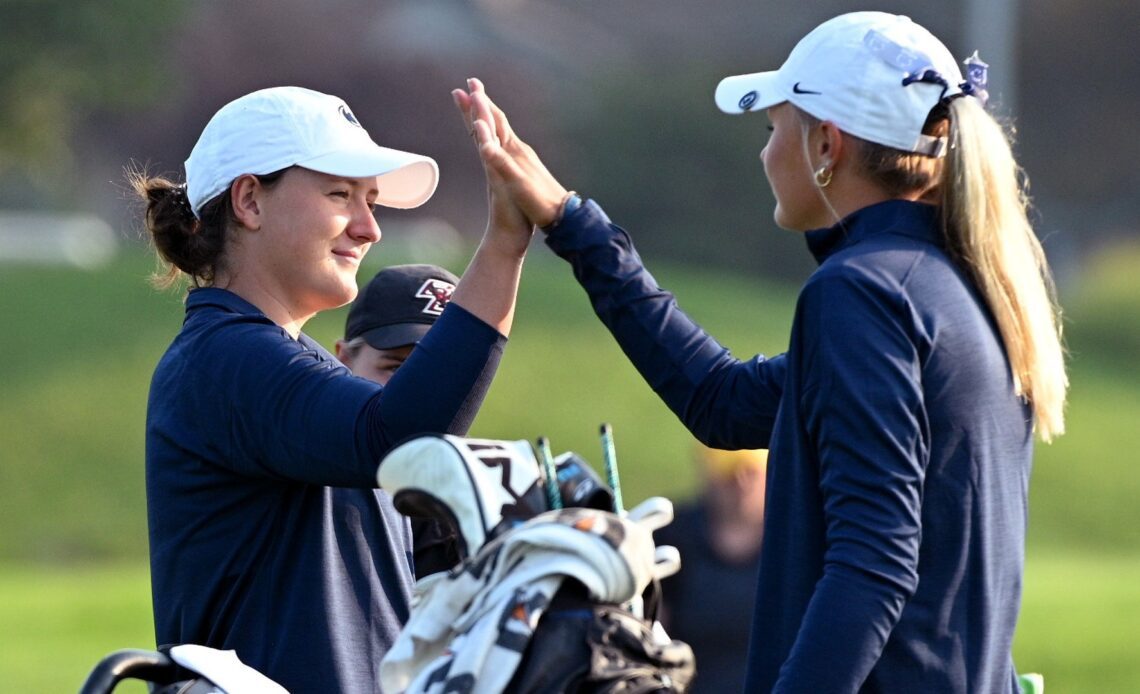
[{"x": 61, "y": 59}]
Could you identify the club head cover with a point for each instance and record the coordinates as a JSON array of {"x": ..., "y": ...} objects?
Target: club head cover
[{"x": 479, "y": 487}]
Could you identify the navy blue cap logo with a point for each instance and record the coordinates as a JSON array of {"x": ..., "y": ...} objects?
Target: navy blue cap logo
[
  {"x": 747, "y": 100},
  {"x": 800, "y": 90},
  {"x": 344, "y": 111}
]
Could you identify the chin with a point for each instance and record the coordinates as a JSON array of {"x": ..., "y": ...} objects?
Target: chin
[
  {"x": 338, "y": 296},
  {"x": 347, "y": 287},
  {"x": 786, "y": 221},
  {"x": 781, "y": 219}
]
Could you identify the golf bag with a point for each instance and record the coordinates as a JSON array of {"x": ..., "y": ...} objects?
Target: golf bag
[{"x": 545, "y": 599}]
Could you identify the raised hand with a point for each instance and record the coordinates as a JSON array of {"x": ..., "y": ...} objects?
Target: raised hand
[{"x": 515, "y": 174}]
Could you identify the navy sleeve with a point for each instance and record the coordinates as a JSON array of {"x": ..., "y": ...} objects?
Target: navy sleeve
[
  {"x": 724, "y": 402},
  {"x": 295, "y": 415},
  {"x": 863, "y": 406},
  {"x": 441, "y": 386}
]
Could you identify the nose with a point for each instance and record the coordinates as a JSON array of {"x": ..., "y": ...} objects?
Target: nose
[{"x": 364, "y": 227}]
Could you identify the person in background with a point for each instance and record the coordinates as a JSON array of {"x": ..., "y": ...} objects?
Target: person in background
[
  {"x": 708, "y": 603},
  {"x": 925, "y": 354},
  {"x": 266, "y": 534},
  {"x": 389, "y": 317}
]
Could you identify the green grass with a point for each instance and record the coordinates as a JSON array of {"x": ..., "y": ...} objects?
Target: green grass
[
  {"x": 58, "y": 624},
  {"x": 1080, "y": 623},
  {"x": 79, "y": 348}
]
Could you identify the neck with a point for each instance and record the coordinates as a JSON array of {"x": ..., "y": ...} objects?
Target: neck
[
  {"x": 849, "y": 192},
  {"x": 267, "y": 300}
]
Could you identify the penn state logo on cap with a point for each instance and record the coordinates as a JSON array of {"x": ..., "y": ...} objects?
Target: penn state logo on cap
[
  {"x": 748, "y": 99},
  {"x": 348, "y": 115}
]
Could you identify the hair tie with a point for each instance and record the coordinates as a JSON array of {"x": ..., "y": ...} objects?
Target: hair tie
[
  {"x": 182, "y": 200},
  {"x": 928, "y": 76}
]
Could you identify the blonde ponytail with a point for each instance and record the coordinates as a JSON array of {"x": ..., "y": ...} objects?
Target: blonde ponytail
[{"x": 984, "y": 208}]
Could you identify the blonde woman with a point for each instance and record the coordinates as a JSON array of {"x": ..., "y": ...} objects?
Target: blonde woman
[{"x": 924, "y": 354}]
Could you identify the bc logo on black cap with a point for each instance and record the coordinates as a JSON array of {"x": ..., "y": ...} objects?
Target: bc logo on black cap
[
  {"x": 438, "y": 294},
  {"x": 747, "y": 100},
  {"x": 348, "y": 115}
]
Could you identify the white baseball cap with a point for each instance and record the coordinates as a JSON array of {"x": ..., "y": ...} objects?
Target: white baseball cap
[
  {"x": 875, "y": 75},
  {"x": 272, "y": 129}
]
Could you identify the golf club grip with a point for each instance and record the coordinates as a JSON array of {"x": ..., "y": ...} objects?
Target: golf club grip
[{"x": 150, "y": 666}]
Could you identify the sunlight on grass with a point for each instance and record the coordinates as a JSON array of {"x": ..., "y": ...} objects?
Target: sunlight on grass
[
  {"x": 1080, "y": 622},
  {"x": 1079, "y": 626},
  {"x": 58, "y": 623}
]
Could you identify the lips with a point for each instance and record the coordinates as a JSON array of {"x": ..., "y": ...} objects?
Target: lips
[{"x": 354, "y": 255}]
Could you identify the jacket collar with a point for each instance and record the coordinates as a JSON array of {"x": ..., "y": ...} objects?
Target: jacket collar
[
  {"x": 201, "y": 297},
  {"x": 903, "y": 217}
]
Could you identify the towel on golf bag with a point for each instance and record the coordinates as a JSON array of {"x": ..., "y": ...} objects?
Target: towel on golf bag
[{"x": 469, "y": 628}]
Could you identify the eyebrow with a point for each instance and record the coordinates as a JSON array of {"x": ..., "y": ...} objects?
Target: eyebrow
[{"x": 352, "y": 182}]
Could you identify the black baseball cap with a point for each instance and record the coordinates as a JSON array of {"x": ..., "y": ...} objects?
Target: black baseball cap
[{"x": 399, "y": 304}]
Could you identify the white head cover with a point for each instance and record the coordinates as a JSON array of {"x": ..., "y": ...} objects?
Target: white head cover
[
  {"x": 272, "y": 129},
  {"x": 861, "y": 71}
]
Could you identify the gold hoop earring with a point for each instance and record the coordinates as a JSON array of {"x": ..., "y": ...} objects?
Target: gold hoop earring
[{"x": 823, "y": 177}]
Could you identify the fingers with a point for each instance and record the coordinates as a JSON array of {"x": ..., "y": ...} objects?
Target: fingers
[
  {"x": 502, "y": 125},
  {"x": 481, "y": 112},
  {"x": 476, "y": 105},
  {"x": 497, "y": 162},
  {"x": 514, "y": 171},
  {"x": 463, "y": 105}
]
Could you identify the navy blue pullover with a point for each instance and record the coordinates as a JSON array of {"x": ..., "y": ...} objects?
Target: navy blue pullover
[
  {"x": 899, "y": 453},
  {"x": 267, "y": 535}
]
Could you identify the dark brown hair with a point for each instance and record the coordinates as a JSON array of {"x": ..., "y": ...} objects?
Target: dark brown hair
[{"x": 187, "y": 244}]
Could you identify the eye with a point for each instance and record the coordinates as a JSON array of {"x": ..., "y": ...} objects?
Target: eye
[{"x": 341, "y": 194}]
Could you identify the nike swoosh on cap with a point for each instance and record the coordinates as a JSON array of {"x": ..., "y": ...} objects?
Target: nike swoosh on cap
[{"x": 797, "y": 90}]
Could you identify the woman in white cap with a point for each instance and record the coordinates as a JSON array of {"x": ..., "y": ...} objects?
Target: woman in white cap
[
  {"x": 924, "y": 353},
  {"x": 267, "y": 535}
]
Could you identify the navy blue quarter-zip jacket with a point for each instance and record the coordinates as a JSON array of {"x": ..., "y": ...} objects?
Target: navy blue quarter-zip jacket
[
  {"x": 899, "y": 453},
  {"x": 267, "y": 534}
]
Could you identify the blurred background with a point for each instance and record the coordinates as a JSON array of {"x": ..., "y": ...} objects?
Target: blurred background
[{"x": 617, "y": 97}]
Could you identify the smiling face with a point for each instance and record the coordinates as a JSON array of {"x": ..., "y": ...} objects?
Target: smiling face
[
  {"x": 799, "y": 205},
  {"x": 301, "y": 253}
]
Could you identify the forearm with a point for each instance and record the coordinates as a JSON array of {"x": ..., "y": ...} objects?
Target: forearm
[
  {"x": 843, "y": 633},
  {"x": 489, "y": 287},
  {"x": 441, "y": 386},
  {"x": 723, "y": 401}
]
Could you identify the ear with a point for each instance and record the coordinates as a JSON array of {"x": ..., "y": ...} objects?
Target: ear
[
  {"x": 342, "y": 354},
  {"x": 245, "y": 195},
  {"x": 829, "y": 145}
]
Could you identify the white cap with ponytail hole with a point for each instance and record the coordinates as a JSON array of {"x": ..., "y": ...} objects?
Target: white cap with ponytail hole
[{"x": 875, "y": 75}]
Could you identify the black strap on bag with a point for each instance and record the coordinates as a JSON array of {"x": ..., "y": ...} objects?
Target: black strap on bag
[{"x": 588, "y": 648}]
